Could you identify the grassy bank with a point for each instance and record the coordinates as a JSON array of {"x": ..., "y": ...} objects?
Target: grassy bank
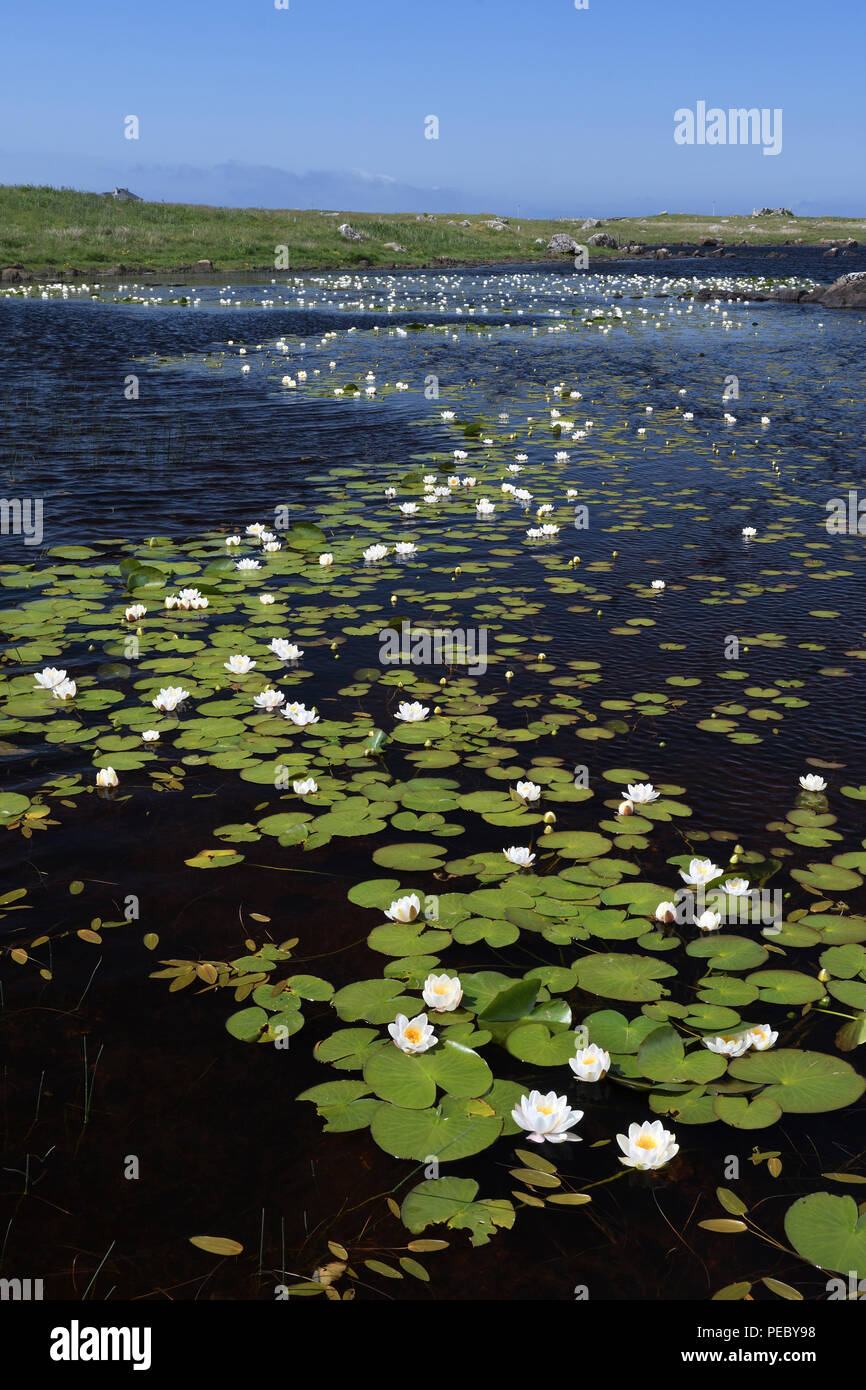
[{"x": 59, "y": 228}]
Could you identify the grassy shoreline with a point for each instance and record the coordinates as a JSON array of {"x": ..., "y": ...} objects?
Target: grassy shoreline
[{"x": 48, "y": 231}]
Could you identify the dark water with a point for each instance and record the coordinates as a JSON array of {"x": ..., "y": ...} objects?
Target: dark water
[{"x": 223, "y": 1147}]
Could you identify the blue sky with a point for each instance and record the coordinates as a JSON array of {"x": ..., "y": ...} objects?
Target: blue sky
[{"x": 541, "y": 106}]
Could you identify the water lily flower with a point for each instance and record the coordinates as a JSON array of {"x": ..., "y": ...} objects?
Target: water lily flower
[
  {"x": 48, "y": 677},
  {"x": 255, "y": 528},
  {"x": 546, "y": 1118},
  {"x": 729, "y": 1045},
  {"x": 304, "y": 788},
  {"x": 519, "y": 855},
  {"x": 411, "y": 713},
  {"x": 688, "y": 415},
  {"x": 63, "y": 690},
  {"x": 700, "y": 872},
  {"x": 134, "y": 612},
  {"x": 390, "y": 492},
  {"x": 762, "y": 1037},
  {"x": 326, "y": 558},
  {"x": 590, "y": 1063},
  {"x": 150, "y": 736},
  {"x": 408, "y": 508},
  {"x": 239, "y": 665},
  {"x": 299, "y": 714},
  {"x": 709, "y": 921},
  {"x": 657, "y": 584},
  {"x": 375, "y": 552},
  {"x": 735, "y": 887},
  {"x": 641, "y": 793},
  {"x": 447, "y": 416},
  {"x": 412, "y": 1035},
  {"x": 405, "y": 548},
  {"x": 484, "y": 507},
  {"x": 169, "y": 698},
  {"x": 528, "y": 791},
  {"x": 269, "y": 699},
  {"x": 248, "y": 565},
  {"x": 286, "y": 651},
  {"x": 106, "y": 777},
  {"x": 666, "y": 912},
  {"x": 267, "y": 598},
  {"x": 233, "y": 540},
  {"x": 813, "y": 782},
  {"x": 749, "y": 531},
  {"x": 625, "y": 808},
  {"x": 442, "y": 993},
  {"x": 404, "y": 909},
  {"x": 647, "y": 1146}
]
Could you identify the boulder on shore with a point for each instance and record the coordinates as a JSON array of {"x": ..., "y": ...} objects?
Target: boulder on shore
[
  {"x": 561, "y": 244},
  {"x": 848, "y": 292},
  {"x": 604, "y": 239},
  {"x": 348, "y": 233}
]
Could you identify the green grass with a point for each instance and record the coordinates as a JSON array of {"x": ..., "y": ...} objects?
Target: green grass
[{"x": 58, "y": 228}]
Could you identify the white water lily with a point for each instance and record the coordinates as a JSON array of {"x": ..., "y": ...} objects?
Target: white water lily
[
  {"x": 735, "y": 887},
  {"x": 305, "y": 787},
  {"x": 729, "y": 1044},
  {"x": 709, "y": 921},
  {"x": 642, "y": 793},
  {"x": 298, "y": 714},
  {"x": 408, "y": 508},
  {"x": 484, "y": 507},
  {"x": 63, "y": 690},
  {"x": 248, "y": 565},
  {"x": 186, "y": 599},
  {"x": 404, "y": 909},
  {"x": 267, "y": 598},
  {"x": 411, "y": 713},
  {"x": 269, "y": 699},
  {"x": 286, "y": 651},
  {"x": 590, "y": 1063},
  {"x": 520, "y": 856},
  {"x": 390, "y": 492},
  {"x": 239, "y": 665},
  {"x": 647, "y": 1146},
  {"x": 813, "y": 782},
  {"x": 106, "y": 777},
  {"x": 405, "y": 548},
  {"x": 528, "y": 791},
  {"x": 657, "y": 584},
  {"x": 374, "y": 553},
  {"x": 48, "y": 677},
  {"x": 762, "y": 1037},
  {"x": 233, "y": 540},
  {"x": 255, "y": 528},
  {"x": 412, "y": 1035},
  {"x": 169, "y": 697},
  {"x": 150, "y": 735},
  {"x": 700, "y": 872},
  {"x": 134, "y": 612},
  {"x": 547, "y": 1117},
  {"x": 442, "y": 993},
  {"x": 666, "y": 912},
  {"x": 749, "y": 531},
  {"x": 326, "y": 558}
]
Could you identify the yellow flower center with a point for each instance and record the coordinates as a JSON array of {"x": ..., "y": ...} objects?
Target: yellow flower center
[
  {"x": 412, "y": 1035},
  {"x": 545, "y": 1109},
  {"x": 441, "y": 989},
  {"x": 646, "y": 1141}
]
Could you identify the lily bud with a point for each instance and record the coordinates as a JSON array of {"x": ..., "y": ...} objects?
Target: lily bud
[
  {"x": 548, "y": 830},
  {"x": 549, "y": 818},
  {"x": 625, "y": 808}
]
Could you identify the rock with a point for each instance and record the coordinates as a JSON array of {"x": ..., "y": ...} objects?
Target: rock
[
  {"x": 834, "y": 251},
  {"x": 708, "y": 241},
  {"x": 495, "y": 225},
  {"x": 203, "y": 265},
  {"x": 848, "y": 292},
  {"x": 12, "y": 274},
  {"x": 394, "y": 246},
  {"x": 348, "y": 232},
  {"x": 561, "y": 244},
  {"x": 604, "y": 239},
  {"x": 539, "y": 241},
  {"x": 465, "y": 222},
  {"x": 123, "y": 195},
  {"x": 661, "y": 253},
  {"x": 590, "y": 222}
]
